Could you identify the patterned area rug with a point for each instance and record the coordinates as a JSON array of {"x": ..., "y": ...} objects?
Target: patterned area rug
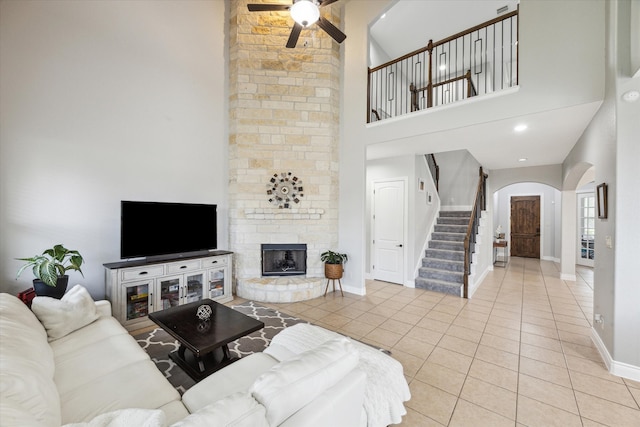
[{"x": 158, "y": 344}]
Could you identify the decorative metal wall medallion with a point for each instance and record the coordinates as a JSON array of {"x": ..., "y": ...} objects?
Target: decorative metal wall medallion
[{"x": 284, "y": 189}]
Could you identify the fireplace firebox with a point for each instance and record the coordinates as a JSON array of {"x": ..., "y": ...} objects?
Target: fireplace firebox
[{"x": 284, "y": 259}]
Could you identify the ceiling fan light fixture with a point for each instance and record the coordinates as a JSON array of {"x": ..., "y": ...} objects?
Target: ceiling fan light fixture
[{"x": 305, "y": 12}]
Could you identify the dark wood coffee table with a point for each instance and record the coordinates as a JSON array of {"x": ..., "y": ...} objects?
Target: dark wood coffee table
[{"x": 206, "y": 340}]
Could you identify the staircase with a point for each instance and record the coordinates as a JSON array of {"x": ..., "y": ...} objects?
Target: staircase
[{"x": 443, "y": 265}]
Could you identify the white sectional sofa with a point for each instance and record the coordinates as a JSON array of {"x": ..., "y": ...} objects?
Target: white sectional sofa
[{"x": 57, "y": 370}]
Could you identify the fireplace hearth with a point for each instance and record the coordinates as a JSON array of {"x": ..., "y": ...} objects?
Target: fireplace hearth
[{"x": 284, "y": 259}]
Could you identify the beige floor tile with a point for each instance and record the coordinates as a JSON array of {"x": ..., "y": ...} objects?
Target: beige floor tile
[
  {"x": 414, "y": 347},
  {"x": 632, "y": 383},
  {"x": 458, "y": 345},
  {"x": 410, "y": 364},
  {"x": 416, "y": 419},
  {"x": 357, "y": 329},
  {"x": 503, "y": 332},
  {"x": 451, "y": 359},
  {"x": 546, "y": 392},
  {"x": 535, "y": 413},
  {"x": 540, "y": 341},
  {"x": 396, "y": 326},
  {"x": 387, "y": 338},
  {"x": 543, "y": 355},
  {"x": 540, "y": 330},
  {"x": 371, "y": 319},
  {"x": 500, "y": 343},
  {"x": 440, "y": 316},
  {"x": 490, "y": 396},
  {"x": 405, "y": 317},
  {"x": 587, "y": 352},
  {"x": 335, "y": 320},
  {"x": 606, "y": 412},
  {"x": 434, "y": 325},
  {"x": 413, "y": 309},
  {"x": 494, "y": 374},
  {"x": 615, "y": 392},
  {"x": 473, "y": 324},
  {"x": 464, "y": 333},
  {"x": 431, "y": 401},
  {"x": 425, "y": 335},
  {"x": 468, "y": 414},
  {"x": 497, "y": 357},
  {"x": 441, "y": 377},
  {"x": 383, "y": 310},
  {"x": 545, "y": 371}
]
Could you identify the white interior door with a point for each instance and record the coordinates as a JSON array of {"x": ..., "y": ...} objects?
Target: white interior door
[
  {"x": 388, "y": 231},
  {"x": 586, "y": 229}
]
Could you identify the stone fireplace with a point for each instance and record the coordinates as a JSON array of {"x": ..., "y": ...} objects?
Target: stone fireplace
[
  {"x": 284, "y": 259},
  {"x": 284, "y": 110}
]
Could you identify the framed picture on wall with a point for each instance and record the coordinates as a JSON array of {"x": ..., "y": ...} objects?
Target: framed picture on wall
[
  {"x": 429, "y": 197},
  {"x": 601, "y": 199},
  {"x": 421, "y": 185}
]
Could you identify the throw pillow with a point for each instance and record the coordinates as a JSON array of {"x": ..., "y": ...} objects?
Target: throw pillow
[
  {"x": 293, "y": 383},
  {"x": 75, "y": 310}
]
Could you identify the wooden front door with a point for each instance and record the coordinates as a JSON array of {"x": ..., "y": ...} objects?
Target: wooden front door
[{"x": 525, "y": 226}]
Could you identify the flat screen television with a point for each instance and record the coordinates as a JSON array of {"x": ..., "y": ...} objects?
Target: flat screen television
[{"x": 149, "y": 229}]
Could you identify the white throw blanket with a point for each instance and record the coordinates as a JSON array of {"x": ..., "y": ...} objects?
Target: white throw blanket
[
  {"x": 386, "y": 388},
  {"x": 126, "y": 418}
]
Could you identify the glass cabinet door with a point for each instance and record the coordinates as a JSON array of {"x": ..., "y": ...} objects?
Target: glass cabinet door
[
  {"x": 138, "y": 300},
  {"x": 216, "y": 283},
  {"x": 169, "y": 292},
  {"x": 194, "y": 287}
]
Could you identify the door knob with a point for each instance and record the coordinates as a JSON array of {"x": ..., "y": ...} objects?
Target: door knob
[{"x": 399, "y": 246}]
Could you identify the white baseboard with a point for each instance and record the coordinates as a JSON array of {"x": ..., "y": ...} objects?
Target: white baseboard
[
  {"x": 619, "y": 369},
  {"x": 353, "y": 290},
  {"x": 569, "y": 277},
  {"x": 410, "y": 283},
  {"x": 550, "y": 258}
]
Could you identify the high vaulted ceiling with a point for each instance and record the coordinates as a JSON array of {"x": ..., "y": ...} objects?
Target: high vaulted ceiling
[{"x": 550, "y": 134}]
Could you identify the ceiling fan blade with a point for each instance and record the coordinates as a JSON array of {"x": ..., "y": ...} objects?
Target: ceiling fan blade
[
  {"x": 267, "y": 7},
  {"x": 293, "y": 37},
  {"x": 327, "y": 2},
  {"x": 332, "y": 30}
]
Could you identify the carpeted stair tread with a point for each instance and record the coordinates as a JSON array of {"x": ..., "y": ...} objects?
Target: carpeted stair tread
[
  {"x": 439, "y": 286},
  {"x": 445, "y": 254},
  {"x": 449, "y": 237},
  {"x": 450, "y": 228},
  {"x": 446, "y": 245},
  {"x": 443, "y": 264},
  {"x": 466, "y": 214},
  {"x": 442, "y": 275},
  {"x": 453, "y": 221}
]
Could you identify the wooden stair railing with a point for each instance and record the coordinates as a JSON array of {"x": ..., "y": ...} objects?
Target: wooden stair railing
[
  {"x": 434, "y": 169},
  {"x": 479, "y": 205}
]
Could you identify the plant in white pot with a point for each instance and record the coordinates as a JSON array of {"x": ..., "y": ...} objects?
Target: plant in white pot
[{"x": 50, "y": 268}]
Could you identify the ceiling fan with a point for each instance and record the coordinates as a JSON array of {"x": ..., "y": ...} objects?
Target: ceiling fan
[{"x": 304, "y": 13}]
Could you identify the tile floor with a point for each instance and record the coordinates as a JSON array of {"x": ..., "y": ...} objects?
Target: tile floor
[{"x": 518, "y": 353}]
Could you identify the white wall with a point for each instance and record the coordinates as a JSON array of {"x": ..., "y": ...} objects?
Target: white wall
[
  {"x": 459, "y": 174},
  {"x": 610, "y": 144},
  {"x": 100, "y": 102},
  {"x": 549, "y": 215}
]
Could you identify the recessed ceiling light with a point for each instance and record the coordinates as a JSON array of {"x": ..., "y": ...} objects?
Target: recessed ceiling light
[
  {"x": 523, "y": 159},
  {"x": 520, "y": 128}
]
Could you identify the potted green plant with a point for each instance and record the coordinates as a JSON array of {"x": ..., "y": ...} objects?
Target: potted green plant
[
  {"x": 333, "y": 264},
  {"x": 50, "y": 268}
]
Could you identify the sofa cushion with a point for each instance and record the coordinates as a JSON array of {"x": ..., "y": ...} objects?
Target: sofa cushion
[
  {"x": 61, "y": 317},
  {"x": 100, "y": 330},
  {"x": 26, "y": 364},
  {"x": 137, "y": 385},
  {"x": 237, "y": 410},
  {"x": 292, "y": 384},
  {"x": 237, "y": 377},
  {"x": 126, "y": 418}
]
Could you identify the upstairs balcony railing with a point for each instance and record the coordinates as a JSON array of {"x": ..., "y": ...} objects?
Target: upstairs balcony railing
[{"x": 477, "y": 61}]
